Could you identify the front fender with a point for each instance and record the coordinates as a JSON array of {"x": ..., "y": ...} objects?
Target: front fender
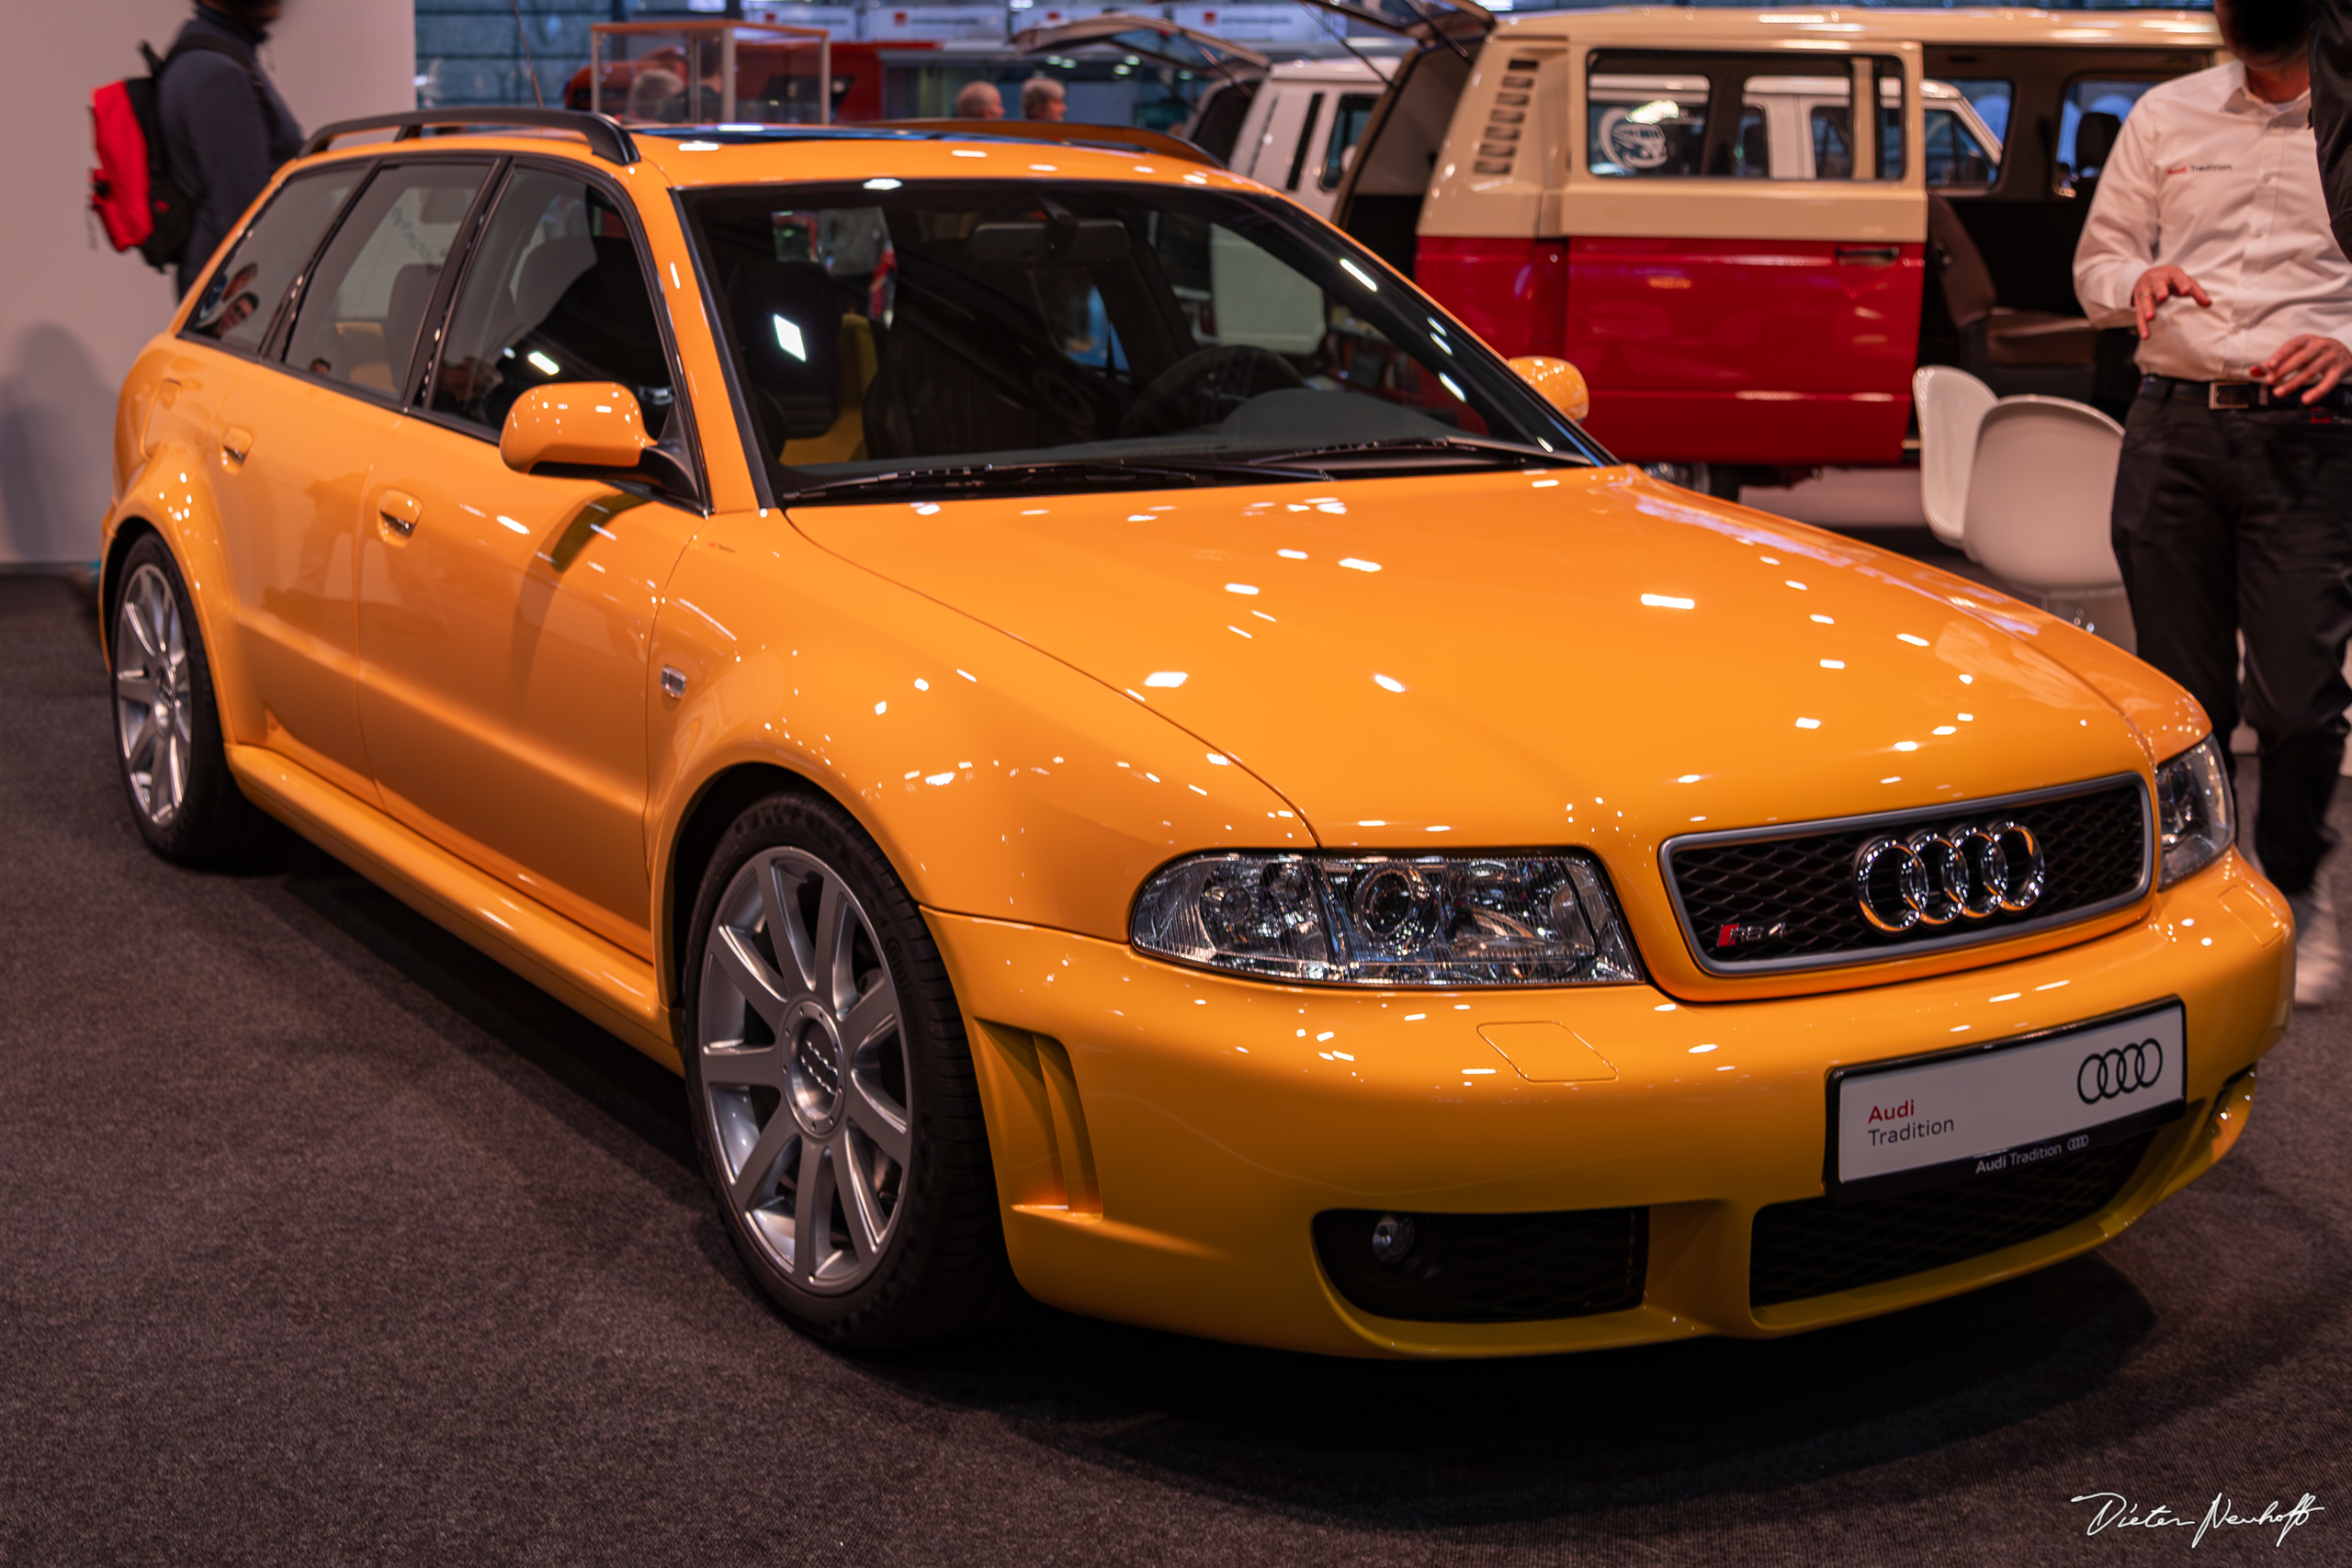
[{"x": 998, "y": 780}]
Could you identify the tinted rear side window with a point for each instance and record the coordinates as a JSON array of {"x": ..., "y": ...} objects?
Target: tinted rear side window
[
  {"x": 360, "y": 312},
  {"x": 238, "y": 304}
]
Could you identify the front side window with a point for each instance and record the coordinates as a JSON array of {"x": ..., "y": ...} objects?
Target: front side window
[
  {"x": 1726, "y": 115},
  {"x": 1001, "y": 325},
  {"x": 242, "y": 299},
  {"x": 362, "y": 309},
  {"x": 554, "y": 293}
]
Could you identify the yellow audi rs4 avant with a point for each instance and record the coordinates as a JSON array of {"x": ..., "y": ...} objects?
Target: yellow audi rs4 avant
[{"x": 1121, "y": 751}]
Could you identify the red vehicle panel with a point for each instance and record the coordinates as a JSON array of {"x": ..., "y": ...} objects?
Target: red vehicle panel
[{"x": 1746, "y": 351}]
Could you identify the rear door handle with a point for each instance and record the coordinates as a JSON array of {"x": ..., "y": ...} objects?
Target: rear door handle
[
  {"x": 235, "y": 441},
  {"x": 398, "y": 511},
  {"x": 1871, "y": 255}
]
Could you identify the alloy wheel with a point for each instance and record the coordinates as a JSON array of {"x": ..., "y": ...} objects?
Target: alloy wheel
[
  {"x": 804, "y": 1072},
  {"x": 154, "y": 699}
]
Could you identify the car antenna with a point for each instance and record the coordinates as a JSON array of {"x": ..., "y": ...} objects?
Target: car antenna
[{"x": 530, "y": 68}]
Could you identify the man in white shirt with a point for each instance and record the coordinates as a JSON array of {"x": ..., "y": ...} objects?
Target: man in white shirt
[{"x": 2233, "y": 498}]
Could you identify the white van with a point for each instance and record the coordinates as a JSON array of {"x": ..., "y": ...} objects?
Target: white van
[{"x": 1293, "y": 126}]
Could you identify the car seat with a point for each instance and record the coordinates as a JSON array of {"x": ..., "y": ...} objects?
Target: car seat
[{"x": 2013, "y": 351}]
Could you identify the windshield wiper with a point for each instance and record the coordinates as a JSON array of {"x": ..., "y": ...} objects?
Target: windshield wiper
[
  {"x": 1060, "y": 474},
  {"x": 1361, "y": 454}
]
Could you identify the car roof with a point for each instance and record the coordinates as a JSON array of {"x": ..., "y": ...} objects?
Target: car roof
[
  {"x": 1653, "y": 25},
  {"x": 739, "y": 154}
]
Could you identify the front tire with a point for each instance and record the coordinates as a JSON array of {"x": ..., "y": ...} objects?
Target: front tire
[
  {"x": 831, "y": 1088},
  {"x": 168, "y": 743}
]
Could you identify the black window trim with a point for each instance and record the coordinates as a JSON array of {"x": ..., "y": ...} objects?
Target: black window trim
[
  {"x": 281, "y": 313},
  {"x": 282, "y": 332},
  {"x": 418, "y": 406}
]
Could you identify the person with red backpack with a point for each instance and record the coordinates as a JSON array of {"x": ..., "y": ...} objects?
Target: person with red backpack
[
  {"x": 225, "y": 128},
  {"x": 182, "y": 151}
]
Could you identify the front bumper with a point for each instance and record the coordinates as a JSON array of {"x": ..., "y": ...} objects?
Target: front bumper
[{"x": 1163, "y": 1138}]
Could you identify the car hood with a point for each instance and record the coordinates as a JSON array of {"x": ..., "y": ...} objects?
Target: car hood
[{"x": 1570, "y": 657}]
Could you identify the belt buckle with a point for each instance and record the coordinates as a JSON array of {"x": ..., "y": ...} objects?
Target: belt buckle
[{"x": 2232, "y": 394}]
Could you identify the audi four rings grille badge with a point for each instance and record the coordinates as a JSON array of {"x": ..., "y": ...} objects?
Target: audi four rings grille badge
[
  {"x": 2104, "y": 1074},
  {"x": 1942, "y": 875}
]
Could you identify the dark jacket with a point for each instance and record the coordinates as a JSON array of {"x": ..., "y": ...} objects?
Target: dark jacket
[
  {"x": 222, "y": 138},
  {"x": 2331, "y": 111}
]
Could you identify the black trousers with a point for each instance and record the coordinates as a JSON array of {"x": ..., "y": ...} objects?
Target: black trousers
[{"x": 2240, "y": 520}]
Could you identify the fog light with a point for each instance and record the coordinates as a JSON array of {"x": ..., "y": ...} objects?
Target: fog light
[{"x": 1392, "y": 1237}]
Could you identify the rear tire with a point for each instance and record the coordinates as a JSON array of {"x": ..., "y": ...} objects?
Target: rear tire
[
  {"x": 168, "y": 745},
  {"x": 831, "y": 1088}
]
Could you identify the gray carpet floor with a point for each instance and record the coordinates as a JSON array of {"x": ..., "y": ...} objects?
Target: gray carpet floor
[{"x": 323, "y": 1240}]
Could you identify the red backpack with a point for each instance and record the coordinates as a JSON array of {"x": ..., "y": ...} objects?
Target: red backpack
[{"x": 137, "y": 199}]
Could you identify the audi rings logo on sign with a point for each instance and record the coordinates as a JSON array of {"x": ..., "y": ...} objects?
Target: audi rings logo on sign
[
  {"x": 1942, "y": 875},
  {"x": 2121, "y": 1070}
]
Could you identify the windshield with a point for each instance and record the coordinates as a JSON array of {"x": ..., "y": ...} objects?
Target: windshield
[{"x": 989, "y": 332}]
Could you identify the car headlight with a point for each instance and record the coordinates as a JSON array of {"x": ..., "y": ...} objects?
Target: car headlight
[
  {"x": 1390, "y": 920},
  {"x": 2194, "y": 820}
]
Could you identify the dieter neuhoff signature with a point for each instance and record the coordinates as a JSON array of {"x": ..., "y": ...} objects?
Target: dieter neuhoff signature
[{"x": 2113, "y": 1510}]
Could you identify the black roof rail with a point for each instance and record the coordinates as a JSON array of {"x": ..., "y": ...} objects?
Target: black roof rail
[{"x": 607, "y": 137}]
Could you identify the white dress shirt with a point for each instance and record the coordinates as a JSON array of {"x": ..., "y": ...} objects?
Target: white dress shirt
[{"x": 2210, "y": 179}]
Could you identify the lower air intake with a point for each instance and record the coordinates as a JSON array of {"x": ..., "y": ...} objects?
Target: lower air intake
[
  {"x": 1815, "y": 1247},
  {"x": 1486, "y": 1267}
]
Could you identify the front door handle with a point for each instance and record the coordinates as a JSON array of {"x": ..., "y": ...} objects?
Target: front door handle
[
  {"x": 235, "y": 441},
  {"x": 398, "y": 511},
  {"x": 1871, "y": 255}
]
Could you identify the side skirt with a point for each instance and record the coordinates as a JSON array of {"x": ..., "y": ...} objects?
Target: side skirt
[{"x": 618, "y": 990}]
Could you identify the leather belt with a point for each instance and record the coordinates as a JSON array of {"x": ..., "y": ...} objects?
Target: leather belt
[{"x": 2237, "y": 394}]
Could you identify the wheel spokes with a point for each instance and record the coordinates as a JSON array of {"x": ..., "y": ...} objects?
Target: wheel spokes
[
  {"x": 866, "y": 1222},
  {"x": 871, "y": 1112},
  {"x": 872, "y": 1016},
  {"x": 756, "y": 1181},
  {"x": 812, "y": 1210},
  {"x": 762, "y": 987}
]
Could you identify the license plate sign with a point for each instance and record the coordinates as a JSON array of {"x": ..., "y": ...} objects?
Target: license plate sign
[{"x": 1959, "y": 1116}]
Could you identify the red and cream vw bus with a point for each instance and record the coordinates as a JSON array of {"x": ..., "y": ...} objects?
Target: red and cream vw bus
[{"x": 1683, "y": 203}]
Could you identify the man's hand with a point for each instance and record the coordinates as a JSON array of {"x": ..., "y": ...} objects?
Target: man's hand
[
  {"x": 2159, "y": 284},
  {"x": 2320, "y": 361}
]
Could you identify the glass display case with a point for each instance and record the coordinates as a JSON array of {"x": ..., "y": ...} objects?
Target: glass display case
[{"x": 717, "y": 72}]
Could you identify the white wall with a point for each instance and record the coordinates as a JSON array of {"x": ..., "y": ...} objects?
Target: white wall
[{"x": 72, "y": 318}]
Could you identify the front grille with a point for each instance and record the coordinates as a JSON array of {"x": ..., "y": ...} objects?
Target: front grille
[
  {"x": 1790, "y": 896},
  {"x": 1817, "y": 1248},
  {"x": 1489, "y": 1268}
]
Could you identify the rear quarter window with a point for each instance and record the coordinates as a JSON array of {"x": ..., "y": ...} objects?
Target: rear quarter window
[{"x": 243, "y": 296}]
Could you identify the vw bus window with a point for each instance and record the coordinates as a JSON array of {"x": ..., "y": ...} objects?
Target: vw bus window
[
  {"x": 2094, "y": 111},
  {"x": 1790, "y": 127},
  {"x": 1347, "y": 129},
  {"x": 1646, "y": 126},
  {"x": 1964, "y": 122}
]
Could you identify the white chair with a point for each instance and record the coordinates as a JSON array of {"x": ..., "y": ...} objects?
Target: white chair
[
  {"x": 2040, "y": 490},
  {"x": 1951, "y": 403}
]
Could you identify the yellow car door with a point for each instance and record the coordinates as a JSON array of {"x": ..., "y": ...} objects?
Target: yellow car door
[
  {"x": 295, "y": 444},
  {"x": 505, "y": 618}
]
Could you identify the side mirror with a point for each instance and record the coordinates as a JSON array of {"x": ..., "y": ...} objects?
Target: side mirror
[
  {"x": 594, "y": 424},
  {"x": 1561, "y": 383}
]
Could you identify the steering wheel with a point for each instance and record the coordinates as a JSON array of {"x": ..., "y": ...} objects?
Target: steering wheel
[{"x": 1202, "y": 389}]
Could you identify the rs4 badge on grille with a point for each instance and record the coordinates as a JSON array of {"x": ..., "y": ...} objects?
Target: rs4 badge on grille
[{"x": 1731, "y": 935}]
